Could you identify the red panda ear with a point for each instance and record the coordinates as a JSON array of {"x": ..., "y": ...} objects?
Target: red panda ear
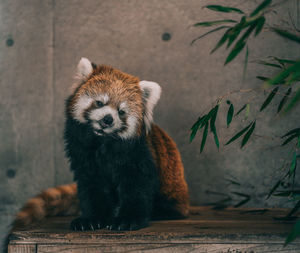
[
  {"x": 84, "y": 69},
  {"x": 151, "y": 94}
]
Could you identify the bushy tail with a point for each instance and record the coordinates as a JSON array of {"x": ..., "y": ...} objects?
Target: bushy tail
[{"x": 60, "y": 200}]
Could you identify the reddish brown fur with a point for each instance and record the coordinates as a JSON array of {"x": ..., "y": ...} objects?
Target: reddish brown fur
[
  {"x": 171, "y": 171},
  {"x": 120, "y": 86}
]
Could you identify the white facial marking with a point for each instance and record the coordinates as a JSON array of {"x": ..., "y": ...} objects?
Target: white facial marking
[
  {"x": 98, "y": 114},
  {"x": 131, "y": 127},
  {"x": 151, "y": 94},
  {"x": 104, "y": 98},
  {"x": 82, "y": 104},
  {"x": 124, "y": 107}
]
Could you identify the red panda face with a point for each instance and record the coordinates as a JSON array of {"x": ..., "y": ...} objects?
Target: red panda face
[{"x": 111, "y": 102}]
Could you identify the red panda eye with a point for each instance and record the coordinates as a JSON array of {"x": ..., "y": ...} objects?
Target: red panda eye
[
  {"x": 121, "y": 112},
  {"x": 99, "y": 104}
]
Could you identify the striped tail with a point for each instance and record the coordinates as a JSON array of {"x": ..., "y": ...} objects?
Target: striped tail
[{"x": 60, "y": 200}]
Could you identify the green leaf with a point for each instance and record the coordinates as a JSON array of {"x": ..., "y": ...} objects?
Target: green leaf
[
  {"x": 247, "y": 111},
  {"x": 204, "y": 137},
  {"x": 287, "y": 193},
  {"x": 293, "y": 131},
  {"x": 213, "y": 126},
  {"x": 274, "y": 188},
  {"x": 245, "y": 63},
  {"x": 223, "y": 9},
  {"x": 235, "y": 51},
  {"x": 221, "y": 41},
  {"x": 284, "y": 100},
  {"x": 261, "y": 7},
  {"x": 216, "y": 22},
  {"x": 230, "y": 114},
  {"x": 239, "y": 134},
  {"x": 248, "y": 134},
  {"x": 260, "y": 24},
  {"x": 293, "y": 234},
  {"x": 233, "y": 182},
  {"x": 282, "y": 75},
  {"x": 293, "y": 164},
  {"x": 239, "y": 45},
  {"x": 243, "y": 202},
  {"x": 269, "y": 98},
  {"x": 240, "y": 110},
  {"x": 294, "y": 100},
  {"x": 193, "y": 134},
  {"x": 294, "y": 210},
  {"x": 287, "y": 35},
  {"x": 289, "y": 139},
  {"x": 263, "y": 78},
  {"x": 284, "y": 61},
  {"x": 270, "y": 64},
  {"x": 211, "y": 31}
]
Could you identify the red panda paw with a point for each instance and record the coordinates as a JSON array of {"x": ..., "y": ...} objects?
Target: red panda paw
[{"x": 84, "y": 224}]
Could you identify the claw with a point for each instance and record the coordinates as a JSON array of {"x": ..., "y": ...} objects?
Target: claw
[
  {"x": 92, "y": 227},
  {"x": 82, "y": 228},
  {"x": 98, "y": 225}
]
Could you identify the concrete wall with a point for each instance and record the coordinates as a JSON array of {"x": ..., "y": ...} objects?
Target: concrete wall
[{"x": 41, "y": 43}]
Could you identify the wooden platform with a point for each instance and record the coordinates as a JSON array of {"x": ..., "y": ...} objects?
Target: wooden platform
[{"x": 207, "y": 230}]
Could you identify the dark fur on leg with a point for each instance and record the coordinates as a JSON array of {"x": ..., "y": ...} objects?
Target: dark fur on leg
[{"x": 116, "y": 179}]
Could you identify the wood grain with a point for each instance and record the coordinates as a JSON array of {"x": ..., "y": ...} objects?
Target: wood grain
[{"x": 206, "y": 230}]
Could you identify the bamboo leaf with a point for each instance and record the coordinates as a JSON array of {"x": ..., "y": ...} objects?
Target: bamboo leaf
[
  {"x": 216, "y": 22},
  {"x": 240, "y": 110},
  {"x": 261, "y": 7},
  {"x": 221, "y": 41},
  {"x": 239, "y": 134},
  {"x": 245, "y": 63},
  {"x": 284, "y": 61},
  {"x": 260, "y": 24},
  {"x": 284, "y": 100},
  {"x": 293, "y": 131},
  {"x": 287, "y": 35},
  {"x": 248, "y": 134},
  {"x": 290, "y": 139},
  {"x": 294, "y": 101},
  {"x": 235, "y": 51},
  {"x": 247, "y": 111},
  {"x": 282, "y": 75},
  {"x": 243, "y": 202},
  {"x": 293, "y": 164},
  {"x": 204, "y": 137},
  {"x": 294, "y": 210},
  {"x": 270, "y": 64},
  {"x": 193, "y": 134},
  {"x": 223, "y": 9},
  {"x": 274, "y": 188},
  {"x": 269, "y": 98},
  {"x": 263, "y": 78},
  {"x": 211, "y": 31},
  {"x": 230, "y": 114},
  {"x": 240, "y": 44},
  {"x": 213, "y": 126},
  {"x": 293, "y": 234}
]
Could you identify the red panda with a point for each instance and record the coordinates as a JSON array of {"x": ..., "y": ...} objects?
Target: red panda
[{"x": 127, "y": 169}]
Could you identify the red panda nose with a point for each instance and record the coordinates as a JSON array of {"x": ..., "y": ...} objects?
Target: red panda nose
[{"x": 107, "y": 120}]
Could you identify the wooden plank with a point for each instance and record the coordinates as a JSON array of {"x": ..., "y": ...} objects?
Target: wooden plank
[
  {"x": 203, "y": 226},
  {"x": 167, "y": 247},
  {"x": 22, "y": 248}
]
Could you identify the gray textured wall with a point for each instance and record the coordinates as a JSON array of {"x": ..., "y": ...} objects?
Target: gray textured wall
[{"x": 49, "y": 37}]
